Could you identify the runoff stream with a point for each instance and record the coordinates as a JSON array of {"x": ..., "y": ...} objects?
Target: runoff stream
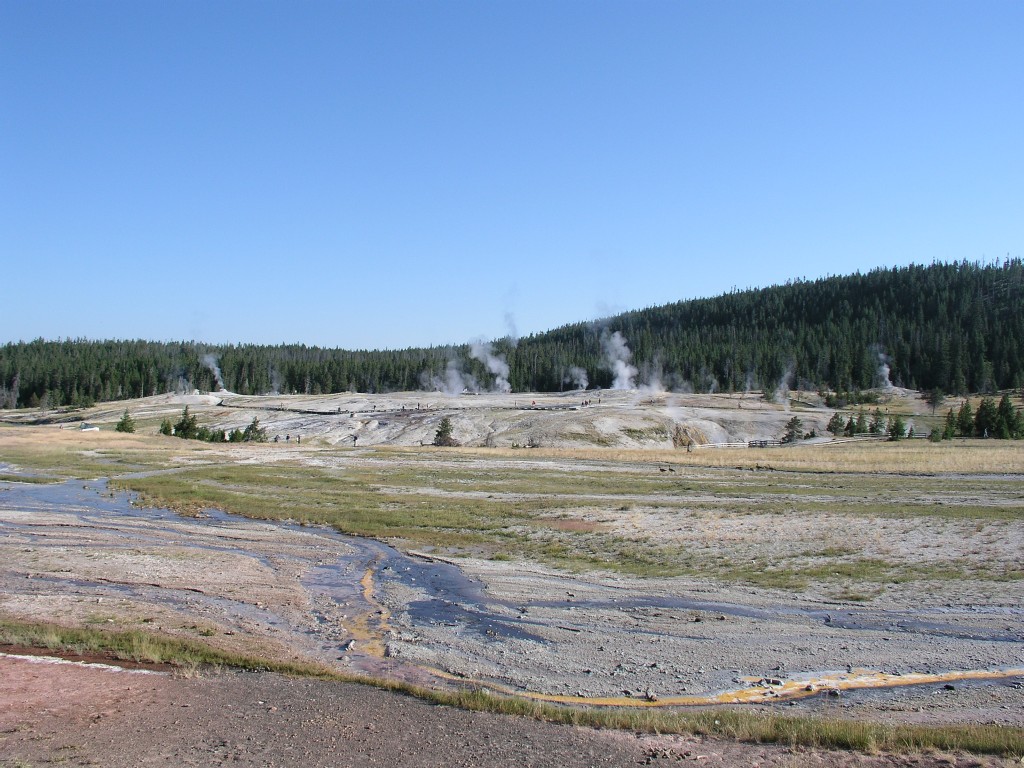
[{"x": 348, "y": 625}]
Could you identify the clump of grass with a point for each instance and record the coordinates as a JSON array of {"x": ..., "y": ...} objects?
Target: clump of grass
[
  {"x": 137, "y": 646},
  {"x": 819, "y": 732},
  {"x": 32, "y": 479}
]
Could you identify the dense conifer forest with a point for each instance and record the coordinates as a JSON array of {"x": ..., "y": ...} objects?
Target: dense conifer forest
[{"x": 956, "y": 327}]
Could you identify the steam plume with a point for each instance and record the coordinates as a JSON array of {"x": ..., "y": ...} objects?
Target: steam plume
[
  {"x": 782, "y": 389},
  {"x": 510, "y": 326},
  {"x": 616, "y": 358},
  {"x": 496, "y": 365},
  {"x": 211, "y": 362},
  {"x": 577, "y": 377},
  {"x": 883, "y": 369},
  {"x": 454, "y": 382},
  {"x": 276, "y": 381}
]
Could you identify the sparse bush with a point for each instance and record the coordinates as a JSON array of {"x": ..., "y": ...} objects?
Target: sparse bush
[{"x": 843, "y": 399}]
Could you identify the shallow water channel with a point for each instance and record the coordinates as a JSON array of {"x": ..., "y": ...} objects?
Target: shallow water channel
[
  {"x": 343, "y": 586},
  {"x": 451, "y": 597}
]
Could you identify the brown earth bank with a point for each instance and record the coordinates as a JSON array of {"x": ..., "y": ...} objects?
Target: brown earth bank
[{"x": 75, "y": 715}]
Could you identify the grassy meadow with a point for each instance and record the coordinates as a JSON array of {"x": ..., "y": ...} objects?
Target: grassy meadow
[{"x": 643, "y": 513}]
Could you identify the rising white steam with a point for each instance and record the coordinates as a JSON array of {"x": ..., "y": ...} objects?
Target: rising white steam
[
  {"x": 617, "y": 356},
  {"x": 496, "y": 365},
  {"x": 577, "y": 377},
  {"x": 781, "y": 395},
  {"x": 454, "y": 382},
  {"x": 882, "y": 375},
  {"x": 510, "y": 326},
  {"x": 653, "y": 378},
  {"x": 276, "y": 381},
  {"x": 709, "y": 381},
  {"x": 211, "y": 362},
  {"x": 749, "y": 384}
]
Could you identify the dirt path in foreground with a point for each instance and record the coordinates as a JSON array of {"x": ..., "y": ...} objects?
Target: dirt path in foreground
[{"x": 75, "y": 716}]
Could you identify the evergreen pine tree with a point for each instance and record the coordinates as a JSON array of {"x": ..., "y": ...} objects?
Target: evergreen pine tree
[
  {"x": 443, "y": 436},
  {"x": 836, "y": 424},
  {"x": 877, "y": 422},
  {"x": 794, "y": 430},
  {"x": 985, "y": 419},
  {"x": 126, "y": 424},
  {"x": 861, "y": 427},
  {"x": 897, "y": 428},
  {"x": 187, "y": 427},
  {"x": 965, "y": 420},
  {"x": 949, "y": 430},
  {"x": 1008, "y": 420},
  {"x": 254, "y": 433}
]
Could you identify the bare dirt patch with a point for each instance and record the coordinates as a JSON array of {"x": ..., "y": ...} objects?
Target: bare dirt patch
[{"x": 82, "y": 716}]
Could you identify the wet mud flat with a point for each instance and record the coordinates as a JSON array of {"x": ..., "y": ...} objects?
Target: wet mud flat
[{"x": 76, "y": 552}]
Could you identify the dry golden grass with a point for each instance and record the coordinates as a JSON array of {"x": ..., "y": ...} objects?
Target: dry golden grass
[
  {"x": 70, "y": 438},
  {"x": 908, "y": 456}
]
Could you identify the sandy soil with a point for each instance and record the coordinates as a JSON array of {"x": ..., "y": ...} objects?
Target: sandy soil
[{"x": 75, "y": 715}]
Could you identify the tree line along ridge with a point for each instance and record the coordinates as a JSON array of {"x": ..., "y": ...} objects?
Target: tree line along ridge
[{"x": 954, "y": 327}]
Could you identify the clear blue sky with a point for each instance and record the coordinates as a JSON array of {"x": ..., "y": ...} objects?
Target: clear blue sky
[{"x": 388, "y": 174}]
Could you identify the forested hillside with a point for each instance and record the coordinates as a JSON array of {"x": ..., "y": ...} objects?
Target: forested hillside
[{"x": 956, "y": 327}]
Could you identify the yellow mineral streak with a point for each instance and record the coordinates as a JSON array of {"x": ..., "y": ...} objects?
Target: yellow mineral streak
[
  {"x": 762, "y": 692},
  {"x": 369, "y": 627}
]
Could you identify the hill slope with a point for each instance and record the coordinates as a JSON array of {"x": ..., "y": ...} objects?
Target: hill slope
[{"x": 957, "y": 327}]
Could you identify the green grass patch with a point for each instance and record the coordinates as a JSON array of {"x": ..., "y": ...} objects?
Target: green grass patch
[
  {"x": 61, "y": 464},
  {"x": 657, "y": 433},
  {"x": 453, "y": 509},
  {"x": 30, "y": 479}
]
